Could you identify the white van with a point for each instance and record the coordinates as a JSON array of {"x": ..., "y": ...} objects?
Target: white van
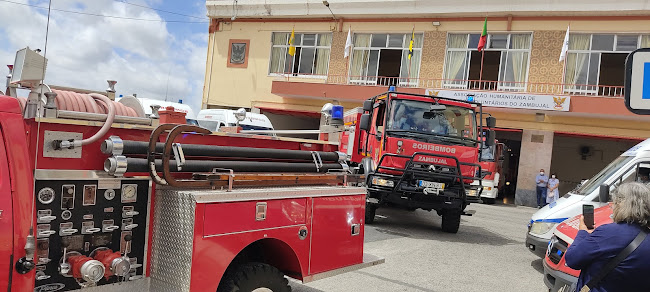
[
  {"x": 213, "y": 119},
  {"x": 633, "y": 165},
  {"x": 144, "y": 104}
]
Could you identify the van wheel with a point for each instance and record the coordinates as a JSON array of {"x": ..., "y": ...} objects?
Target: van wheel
[
  {"x": 255, "y": 277},
  {"x": 371, "y": 209},
  {"x": 451, "y": 221}
]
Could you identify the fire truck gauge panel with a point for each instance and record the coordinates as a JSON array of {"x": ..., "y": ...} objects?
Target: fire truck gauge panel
[
  {"x": 85, "y": 224},
  {"x": 66, "y": 215},
  {"x": 129, "y": 193},
  {"x": 109, "y": 194},
  {"x": 90, "y": 195},
  {"x": 67, "y": 197},
  {"x": 46, "y": 195}
]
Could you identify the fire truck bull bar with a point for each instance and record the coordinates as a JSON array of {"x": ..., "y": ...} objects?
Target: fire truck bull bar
[{"x": 452, "y": 176}]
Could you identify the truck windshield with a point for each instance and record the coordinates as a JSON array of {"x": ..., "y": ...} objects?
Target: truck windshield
[
  {"x": 418, "y": 116},
  {"x": 598, "y": 179}
]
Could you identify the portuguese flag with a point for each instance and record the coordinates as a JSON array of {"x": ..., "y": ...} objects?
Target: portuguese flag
[{"x": 483, "y": 40}]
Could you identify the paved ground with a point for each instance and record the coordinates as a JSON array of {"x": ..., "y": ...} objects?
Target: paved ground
[{"x": 487, "y": 254}]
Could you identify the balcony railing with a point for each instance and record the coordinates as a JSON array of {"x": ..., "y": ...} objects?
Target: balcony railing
[{"x": 485, "y": 85}]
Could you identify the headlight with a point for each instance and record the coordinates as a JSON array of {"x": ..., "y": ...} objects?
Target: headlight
[
  {"x": 541, "y": 227},
  {"x": 472, "y": 192},
  {"x": 382, "y": 182}
]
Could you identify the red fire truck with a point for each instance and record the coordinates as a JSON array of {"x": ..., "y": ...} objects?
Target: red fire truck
[
  {"x": 491, "y": 162},
  {"x": 98, "y": 198},
  {"x": 418, "y": 151}
]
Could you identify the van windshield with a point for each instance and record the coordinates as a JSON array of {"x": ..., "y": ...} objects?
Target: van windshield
[{"x": 600, "y": 178}]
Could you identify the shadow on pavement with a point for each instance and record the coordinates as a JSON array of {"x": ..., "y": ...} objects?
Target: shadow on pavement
[
  {"x": 538, "y": 265},
  {"x": 298, "y": 287},
  {"x": 394, "y": 223}
]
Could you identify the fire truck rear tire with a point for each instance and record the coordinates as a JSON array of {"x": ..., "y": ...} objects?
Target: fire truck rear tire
[
  {"x": 252, "y": 276},
  {"x": 371, "y": 209},
  {"x": 451, "y": 221}
]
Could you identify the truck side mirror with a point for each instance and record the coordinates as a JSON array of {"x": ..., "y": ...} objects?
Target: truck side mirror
[
  {"x": 364, "y": 122},
  {"x": 367, "y": 105},
  {"x": 491, "y": 122},
  {"x": 603, "y": 193},
  {"x": 489, "y": 140}
]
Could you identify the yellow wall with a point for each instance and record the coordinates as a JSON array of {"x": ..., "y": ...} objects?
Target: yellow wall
[
  {"x": 244, "y": 87},
  {"x": 238, "y": 87}
]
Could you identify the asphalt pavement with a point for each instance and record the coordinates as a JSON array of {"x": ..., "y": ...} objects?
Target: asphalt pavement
[{"x": 487, "y": 254}]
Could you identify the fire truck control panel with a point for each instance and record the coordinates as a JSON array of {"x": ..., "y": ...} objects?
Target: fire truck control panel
[{"x": 90, "y": 231}]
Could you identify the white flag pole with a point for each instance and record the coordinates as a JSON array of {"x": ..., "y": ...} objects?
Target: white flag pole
[
  {"x": 565, "y": 48},
  {"x": 348, "y": 51}
]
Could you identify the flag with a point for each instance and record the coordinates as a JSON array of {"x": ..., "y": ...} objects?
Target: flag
[
  {"x": 565, "y": 45},
  {"x": 292, "y": 48},
  {"x": 483, "y": 40},
  {"x": 348, "y": 44},
  {"x": 411, "y": 43}
]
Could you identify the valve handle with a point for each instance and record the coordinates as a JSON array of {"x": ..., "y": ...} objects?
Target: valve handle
[
  {"x": 93, "y": 230},
  {"x": 130, "y": 226},
  {"x": 111, "y": 228},
  {"x": 68, "y": 231},
  {"x": 46, "y": 233}
]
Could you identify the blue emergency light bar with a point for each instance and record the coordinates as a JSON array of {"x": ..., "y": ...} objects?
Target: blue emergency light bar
[{"x": 337, "y": 112}]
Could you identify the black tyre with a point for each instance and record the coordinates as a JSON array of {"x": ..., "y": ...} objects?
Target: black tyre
[
  {"x": 451, "y": 221},
  {"x": 489, "y": 201},
  {"x": 371, "y": 209},
  {"x": 254, "y": 276}
]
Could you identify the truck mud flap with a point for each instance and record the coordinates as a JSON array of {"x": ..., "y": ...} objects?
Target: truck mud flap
[{"x": 368, "y": 261}]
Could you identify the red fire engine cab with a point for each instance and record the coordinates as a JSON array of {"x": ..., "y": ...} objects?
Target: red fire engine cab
[
  {"x": 98, "y": 198},
  {"x": 491, "y": 162},
  {"x": 419, "y": 151}
]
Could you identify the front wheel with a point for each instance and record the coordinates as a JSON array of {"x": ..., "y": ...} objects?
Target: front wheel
[
  {"x": 451, "y": 221},
  {"x": 255, "y": 277}
]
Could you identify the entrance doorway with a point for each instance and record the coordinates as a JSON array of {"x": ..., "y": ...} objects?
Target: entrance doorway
[{"x": 510, "y": 165}]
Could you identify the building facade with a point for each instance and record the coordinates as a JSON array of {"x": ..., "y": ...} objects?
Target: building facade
[{"x": 567, "y": 117}]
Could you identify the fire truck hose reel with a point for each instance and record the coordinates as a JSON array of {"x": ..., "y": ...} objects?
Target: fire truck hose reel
[
  {"x": 141, "y": 148},
  {"x": 59, "y": 144}
]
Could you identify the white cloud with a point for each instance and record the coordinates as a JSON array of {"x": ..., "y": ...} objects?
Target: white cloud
[{"x": 84, "y": 51}]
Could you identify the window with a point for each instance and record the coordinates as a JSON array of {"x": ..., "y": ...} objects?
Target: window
[
  {"x": 383, "y": 59},
  {"x": 595, "y": 63},
  {"x": 418, "y": 118},
  {"x": 311, "y": 58},
  {"x": 504, "y": 63}
]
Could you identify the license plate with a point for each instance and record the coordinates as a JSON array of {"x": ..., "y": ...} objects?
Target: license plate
[{"x": 431, "y": 188}]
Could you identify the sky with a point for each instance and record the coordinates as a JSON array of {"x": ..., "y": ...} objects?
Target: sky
[{"x": 162, "y": 58}]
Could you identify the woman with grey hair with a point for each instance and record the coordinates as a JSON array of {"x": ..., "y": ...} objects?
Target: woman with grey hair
[{"x": 593, "y": 249}]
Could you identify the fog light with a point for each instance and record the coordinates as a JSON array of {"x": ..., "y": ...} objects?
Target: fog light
[
  {"x": 471, "y": 192},
  {"x": 382, "y": 182}
]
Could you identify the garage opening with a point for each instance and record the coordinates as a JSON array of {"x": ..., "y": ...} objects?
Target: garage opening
[
  {"x": 578, "y": 157},
  {"x": 510, "y": 164}
]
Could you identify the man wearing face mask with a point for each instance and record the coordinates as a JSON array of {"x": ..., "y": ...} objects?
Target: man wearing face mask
[{"x": 541, "y": 180}]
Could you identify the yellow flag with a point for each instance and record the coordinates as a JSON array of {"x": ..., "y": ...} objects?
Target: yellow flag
[
  {"x": 292, "y": 48},
  {"x": 411, "y": 44}
]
